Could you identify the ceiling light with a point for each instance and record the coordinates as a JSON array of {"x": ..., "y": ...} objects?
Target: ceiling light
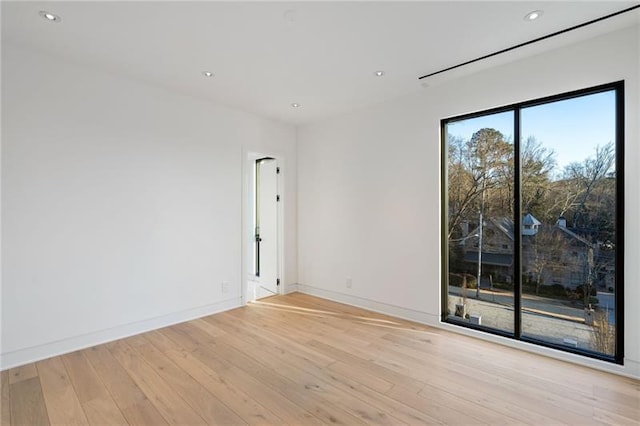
[
  {"x": 378, "y": 73},
  {"x": 532, "y": 16},
  {"x": 50, "y": 16},
  {"x": 207, "y": 73},
  {"x": 295, "y": 105}
]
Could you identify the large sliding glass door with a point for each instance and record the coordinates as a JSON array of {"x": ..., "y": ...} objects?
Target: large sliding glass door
[{"x": 532, "y": 221}]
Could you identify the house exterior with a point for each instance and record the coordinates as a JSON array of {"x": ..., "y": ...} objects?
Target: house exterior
[{"x": 551, "y": 254}]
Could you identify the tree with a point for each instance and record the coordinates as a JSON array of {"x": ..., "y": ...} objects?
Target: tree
[
  {"x": 589, "y": 266},
  {"x": 537, "y": 163},
  {"x": 603, "y": 337},
  {"x": 589, "y": 176},
  {"x": 476, "y": 168},
  {"x": 546, "y": 248}
]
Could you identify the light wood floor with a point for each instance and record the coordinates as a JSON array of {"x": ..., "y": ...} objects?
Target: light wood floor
[{"x": 300, "y": 360}]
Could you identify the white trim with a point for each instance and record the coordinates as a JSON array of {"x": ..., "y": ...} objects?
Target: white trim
[
  {"x": 631, "y": 368},
  {"x": 60, "y": 347},
  {"x": 372, "y": 305},
  {"x": 291, "y": 288}
]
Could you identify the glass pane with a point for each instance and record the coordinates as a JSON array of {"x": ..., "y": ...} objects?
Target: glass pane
[
  {"x": 480, "y": 212},
  {"x": 569, "y": 224}
]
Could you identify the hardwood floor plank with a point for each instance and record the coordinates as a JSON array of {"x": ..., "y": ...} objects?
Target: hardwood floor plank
[
  {"x": 362, "y": 376},
  {"x": 27, "y": 403},
  {"x": 143, "y": 413},
  {"x": 571, "y": 392},
  {"x": 94, "y": 397},
  {"x": 103, "y": 411},
  {"x": 501, "y": 401},
  {"x": 24, "y": 372},
  {"x": 264, "y": 394},
  {"x": 349, "y": 392},
  {"x": 204, "y": 403},
  {"x": 132, "y": 402},
  {"x": 445, "y": 414},
  {"x": 186, "y": 340},
  {"x": 5, "y": 403},
  {"x": 299, "y": 360},
  {"x": 299, "y": 369},
  {"x": 208, "y": 327},
  {"x": 366, "y": 364},
  {"x": 168, "y": 402},
  {"x": 264, "y": 336},
  {"x": 224, "y": 371},
  {"x": 226, "y": 391},
  {"x": 60, "y": 397},
  {"x": 397, "y": 409},
  {"x": 83, "y": 377},
  {"x": 613, "y": 418},
  {"x": 306, "y": 394}
]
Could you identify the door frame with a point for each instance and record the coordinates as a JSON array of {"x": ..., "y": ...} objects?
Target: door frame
[{"x": 249, "y": 158}]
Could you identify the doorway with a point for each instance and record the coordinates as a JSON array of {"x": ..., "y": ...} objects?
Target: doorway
[{"x": 263, "y": 228}]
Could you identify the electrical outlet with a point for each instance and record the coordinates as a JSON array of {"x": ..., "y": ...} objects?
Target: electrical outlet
[
  {"x": 224, "y": 287},
  {"x": 349, "y": 282}
]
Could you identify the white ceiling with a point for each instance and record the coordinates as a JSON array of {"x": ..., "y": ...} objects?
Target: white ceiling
[{"x": 266, "y": 55}]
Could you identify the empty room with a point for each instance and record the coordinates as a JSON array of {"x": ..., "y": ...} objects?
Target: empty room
[{"x": 366, "y": 212}]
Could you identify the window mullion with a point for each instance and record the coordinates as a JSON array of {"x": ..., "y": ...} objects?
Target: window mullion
[{"x": 517, "y": 225}]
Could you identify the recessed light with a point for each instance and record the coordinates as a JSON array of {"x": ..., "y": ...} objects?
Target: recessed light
[
  {"x": 207, "y": 73},
  {"x": 295, "y": 105},
  {"x": 532, "y": 16},
  {"x": 379, "y": 73},
  {"x": 51, "y": 17}
]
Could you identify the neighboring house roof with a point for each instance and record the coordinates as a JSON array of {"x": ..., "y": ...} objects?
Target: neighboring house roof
[
  {"x": 503, "y": 224},
  {"x": 574, "y": 235},
  {"x": 528, "y": 219},
  {"x": 506, "y": 226},
  {"x": 497, "y": 259}
]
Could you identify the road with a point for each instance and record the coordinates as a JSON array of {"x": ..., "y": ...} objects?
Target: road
[
  {"x": 545, "y": 319},
  {"x": 535, "y": 303}
]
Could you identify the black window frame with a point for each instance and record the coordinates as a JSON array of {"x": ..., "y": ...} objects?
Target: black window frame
[{"x": 618, "y": 88}]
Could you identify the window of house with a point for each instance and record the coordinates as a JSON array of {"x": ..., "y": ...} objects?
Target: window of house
[{"x": 558, "y": 160}]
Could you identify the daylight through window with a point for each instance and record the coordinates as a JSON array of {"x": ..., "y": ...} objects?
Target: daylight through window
[{"x": 532, "y": 221}]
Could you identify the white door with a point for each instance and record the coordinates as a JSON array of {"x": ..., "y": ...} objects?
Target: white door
[{"x": 267, "y": 224}]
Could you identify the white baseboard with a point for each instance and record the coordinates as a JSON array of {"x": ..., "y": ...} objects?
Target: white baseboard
[
  {"x": 291, "y": 288},
  {"x": 631, "y": 368},
  {"x": 372, "y": 305},
  {"x": 51, "y": 349}
]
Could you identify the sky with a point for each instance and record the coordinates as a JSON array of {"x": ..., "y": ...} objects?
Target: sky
[{"x": 571, "y": 128}]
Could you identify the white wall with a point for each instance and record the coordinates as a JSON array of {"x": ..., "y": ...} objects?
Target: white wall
[
  {"x": 121, "y": 205},
  {"x": 369, "y": 185}
]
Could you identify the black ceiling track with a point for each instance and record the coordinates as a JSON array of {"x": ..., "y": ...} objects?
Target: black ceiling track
[{"x": 566, "y": 30}]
